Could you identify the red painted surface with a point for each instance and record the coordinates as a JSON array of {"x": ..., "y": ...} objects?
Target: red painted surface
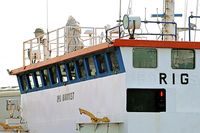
[{"x": 156, "y": 44}]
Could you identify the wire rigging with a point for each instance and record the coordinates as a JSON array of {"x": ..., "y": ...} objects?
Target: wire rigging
[
  {"x": 197, "y": 10},
  {"x": 47, "y": 13},
  {"x": 145, "y": 25},
  {"x": 185, "y": 16}
]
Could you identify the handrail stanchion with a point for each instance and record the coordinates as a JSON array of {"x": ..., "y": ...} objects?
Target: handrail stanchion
[
  {"x": 24, "y": 63},
  {"x": 189, "y": 28},
  {"x": 30, "y": 53},
  {"x": 189, "y": 25},
  {"x": 57, "y": 42}
]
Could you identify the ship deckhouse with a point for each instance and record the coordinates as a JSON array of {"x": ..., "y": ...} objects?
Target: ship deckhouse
[
  {"x": 86, "y": 64},
  {"x": 110, "y": 59},
  {"x": 124, "y": 85},
  {"x": 121, "y": 78}
]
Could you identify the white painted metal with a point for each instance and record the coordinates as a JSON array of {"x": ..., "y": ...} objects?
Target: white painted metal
[
  {"x": 47, "y": 111},
  {"x": 183, "y": 110},
  {"x": 45, "y": 115},
  {"x": 107, "y": 97}
]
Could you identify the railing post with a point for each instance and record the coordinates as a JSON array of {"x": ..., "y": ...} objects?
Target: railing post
[
  {"x": 24, "y": 63},
  {"x": 57, "y": 42},
  {"x": 30, "y": 52},
  {"x": 38, "y": 51},
  {"x": 189, "y": 30},
  {"x": 64, "y": 38},
  {"x": 175, "y": 31},
  {"x": 94, "y": 35}
]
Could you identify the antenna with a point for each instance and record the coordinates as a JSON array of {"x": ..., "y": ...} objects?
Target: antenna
[
  {"x": 197, "y": 10},
  {"x": 185, "y": 17},
  {"x": 129, "y": 11},
  {"x": 120, "y": 14},
  {"x": 47, "y": 11},
  {"x": 46, "y": 54}
]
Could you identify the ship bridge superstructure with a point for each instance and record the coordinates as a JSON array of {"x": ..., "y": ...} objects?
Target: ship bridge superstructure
[
  {"x": 149, "y": 81},
  {"x": 142, "y": 81}
]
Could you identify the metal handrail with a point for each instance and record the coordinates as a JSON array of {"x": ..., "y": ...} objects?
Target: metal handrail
[
  {"x": 189, "y": 25},
  {"x": 56, "y": 43},
  {"x": 142, "y": 34}
]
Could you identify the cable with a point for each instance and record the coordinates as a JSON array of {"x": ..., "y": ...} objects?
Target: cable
[
  {"x": 47, "y": 13},
  {"x": 145, "y": 25},
  {"x": 185, "y": 17},
  {"x": 197, "y": 9}
]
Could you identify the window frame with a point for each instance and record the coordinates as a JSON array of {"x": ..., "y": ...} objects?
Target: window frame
[
  {"x": 194, "y": 60},
  {"x": 40, "y": 77},
  {"x": 70, "y": 72},
  {"x": 111, "y": 62},
  {"x": 24, "y": 79},
  {"x": 60, "y": 73},
  {"x": 88, "y": 66},
  {"x": 51, "y": 74},
  {"x": 42, "y": 83},
  {"x": 78, "y": 67},
  {"x": 156, "y": 58},
  {"x": 104, "y": 63},
  {"x": 32, "y": 74}
]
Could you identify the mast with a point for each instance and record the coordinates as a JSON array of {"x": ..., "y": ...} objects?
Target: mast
[{"x": 168, "y": 17}]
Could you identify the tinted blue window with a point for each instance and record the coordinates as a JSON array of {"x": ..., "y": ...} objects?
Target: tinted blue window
[
  {"x": 63, "y": 74},
  {"x": 101, "y": 63},
  {"x": 53, "y": 74},
  {"x": 81, "y": 68},
  {"x": 91, "y": 66},
  {"x": 23, "y": 80},
  {"x": 71, "y": 70},
  {"x": 46, "y": 77}
]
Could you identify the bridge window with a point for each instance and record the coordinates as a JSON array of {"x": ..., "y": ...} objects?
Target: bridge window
[
  {"x": 91, "y": 66},
  {"x": 183, "y": 59},
  {"x": 81, "y": 68},
  {"x": 38, "y": 78},
  {"x": 144, "y": 57},
  {"x": 53, "y": 75},
  {"x": 113, "y": 63},
  {"x": 71, "y": 70},
  {"x": 31, "y": 80},
  {"x": 101, "y": 63},
  {"x": 24, "y": 84},
  {"x": 46, "y": 77},
  {"x": 63, "y": 73}
]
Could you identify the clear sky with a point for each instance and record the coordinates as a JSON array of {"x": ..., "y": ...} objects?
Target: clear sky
[{"x": 19, "y": 18}]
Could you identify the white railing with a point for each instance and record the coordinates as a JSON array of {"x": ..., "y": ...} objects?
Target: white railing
[{"x": 54, "y": 43}]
